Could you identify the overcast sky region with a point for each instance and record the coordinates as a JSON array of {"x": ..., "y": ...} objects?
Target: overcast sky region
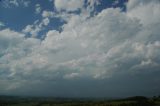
[{"x": 80, "y": 48}]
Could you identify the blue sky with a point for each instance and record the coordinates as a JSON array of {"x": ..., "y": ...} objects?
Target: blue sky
[
  {"x": 13, "y": 16},
  {"x": 80, "y": 48}
]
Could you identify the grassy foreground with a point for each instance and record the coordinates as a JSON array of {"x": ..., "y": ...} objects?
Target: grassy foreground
[{"x": 30, "y": 101}]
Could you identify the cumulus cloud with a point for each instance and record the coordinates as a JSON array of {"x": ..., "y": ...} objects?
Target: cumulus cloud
[
  {"x": 68, "y": 5},
  {"x": 2, "y": 24},
  {"x": 37, "y": 8},
  {"x": 111, "y": 49},
  {"x": 46, "y": 14},
  {"x": 46, "y": 21},
  {"x": 145, "y": 10},
  {"x": 92, "y": 4},
  {"x": 15, "y": 3},
  {"x": 35, "y": 28}
]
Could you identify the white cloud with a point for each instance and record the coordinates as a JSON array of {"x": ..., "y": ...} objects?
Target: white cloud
[
  {"x": 92, "y": 4},
  {"x": 46, "y": 14},
  {"x": 28, "y": 28},
  {"x": 15, "y": 3},
  {"x": 84, "y": 44},
  {"x": 68, "y": 5},
  {"x": 32, "y": 29},
  {"x": 36, "y": 27},
  {"x": 145, "y": 10},
  {"x": 37, "y": 8},
  {"x": 46, "y": 21},
  {"x": 26, "y": 3},
  {"x": 2, "y": 24}
]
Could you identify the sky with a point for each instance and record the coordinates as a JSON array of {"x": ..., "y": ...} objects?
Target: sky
[{"x": 80, "y": 48}]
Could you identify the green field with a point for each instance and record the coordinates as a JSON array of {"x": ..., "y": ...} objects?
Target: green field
[{"x": 37, "y": 101}]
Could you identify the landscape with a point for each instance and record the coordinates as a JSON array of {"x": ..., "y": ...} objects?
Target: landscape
[{"x": 50, "y": 101}]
